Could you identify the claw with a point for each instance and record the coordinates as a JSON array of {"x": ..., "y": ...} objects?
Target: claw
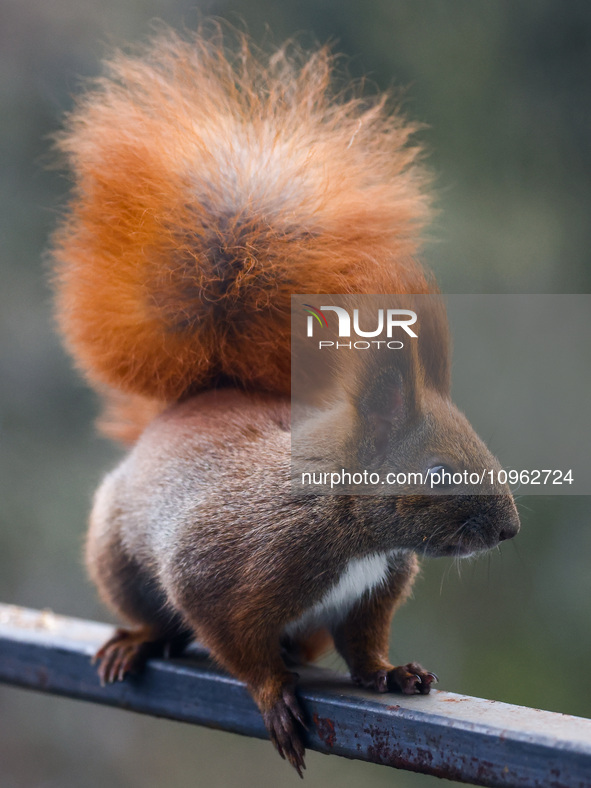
[
  {"x": 294, "y": 708},
  {"x": 123, "y": 653},
  {"x": 409, "y": 679},
  {"x": 278, "y": 747},
  {"x": 281, "y": 721}
]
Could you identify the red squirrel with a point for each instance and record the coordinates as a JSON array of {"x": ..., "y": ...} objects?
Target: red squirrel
[{"x": 210, "y": 184}]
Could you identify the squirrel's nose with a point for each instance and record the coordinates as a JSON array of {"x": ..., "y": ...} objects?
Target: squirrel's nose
[{"x": 509, "y": 530}]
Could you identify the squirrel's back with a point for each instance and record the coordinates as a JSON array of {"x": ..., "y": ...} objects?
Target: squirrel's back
[{"x": 209, "y": 186}]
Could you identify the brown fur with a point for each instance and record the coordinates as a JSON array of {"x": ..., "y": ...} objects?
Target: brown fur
[
  {"x": 199, "y": 522},
  {"x": 125, "y": 416}
]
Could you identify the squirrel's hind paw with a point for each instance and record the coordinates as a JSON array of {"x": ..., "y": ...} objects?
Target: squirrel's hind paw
[
  {"x": 125, "y": 652},
  {"x": 282, "y": 721}
]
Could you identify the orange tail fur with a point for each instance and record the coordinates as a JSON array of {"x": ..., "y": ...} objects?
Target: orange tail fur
[{"x": 209, "y": 186}]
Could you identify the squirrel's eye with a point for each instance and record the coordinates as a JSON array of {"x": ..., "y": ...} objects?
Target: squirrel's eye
[{"x": 440, "y": 477}]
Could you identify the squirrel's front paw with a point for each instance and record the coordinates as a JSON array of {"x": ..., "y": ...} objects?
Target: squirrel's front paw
[
  {"x": 410, "y": 679},
  {"x": 282, "y": 721}
]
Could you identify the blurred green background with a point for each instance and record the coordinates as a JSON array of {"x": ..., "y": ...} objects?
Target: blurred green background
[{"x": 503, "y": 87}]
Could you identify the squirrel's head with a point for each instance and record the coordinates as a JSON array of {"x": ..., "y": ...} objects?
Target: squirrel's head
[
  {"x": 454, "y": 504},
  {"x": 435, "y": 486}
]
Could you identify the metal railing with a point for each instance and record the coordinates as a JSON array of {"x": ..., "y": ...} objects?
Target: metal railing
[{"x": 455, "y": 736}]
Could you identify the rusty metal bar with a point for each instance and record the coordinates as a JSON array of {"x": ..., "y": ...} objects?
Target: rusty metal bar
[{"x": 455, "y": 736}]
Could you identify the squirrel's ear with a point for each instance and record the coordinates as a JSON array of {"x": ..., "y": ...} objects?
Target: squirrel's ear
[{"x": 382, "y": 408}]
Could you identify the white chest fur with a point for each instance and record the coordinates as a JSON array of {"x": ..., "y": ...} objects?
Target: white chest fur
[{"x": 360, "y": 576}]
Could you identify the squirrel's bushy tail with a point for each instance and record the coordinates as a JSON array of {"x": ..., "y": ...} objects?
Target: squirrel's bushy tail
[{"x": 210, "y": 185}]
